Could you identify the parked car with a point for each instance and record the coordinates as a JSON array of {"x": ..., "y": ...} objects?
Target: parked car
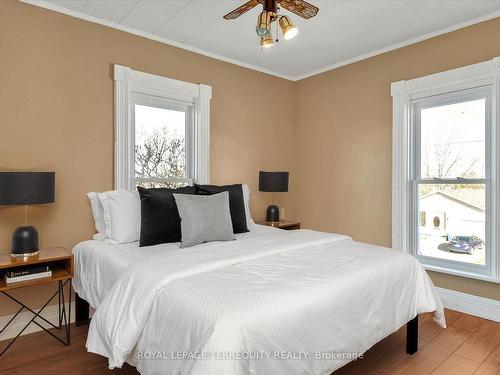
[{"x": 465, "y": 244}]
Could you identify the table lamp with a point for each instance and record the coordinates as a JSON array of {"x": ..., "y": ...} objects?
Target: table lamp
[
  {"x": 274, "y": 182},
  {"x": 26, "y": 188}
]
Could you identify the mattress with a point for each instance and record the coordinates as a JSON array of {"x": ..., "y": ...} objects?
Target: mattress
[
  {"x": 99, "y": 264},
  {"x": 267, "y": 303}
]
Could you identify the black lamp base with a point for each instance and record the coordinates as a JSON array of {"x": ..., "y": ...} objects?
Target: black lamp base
[
  {"x": 24, "y": 242},
  {"x": 273, "y": 214}
]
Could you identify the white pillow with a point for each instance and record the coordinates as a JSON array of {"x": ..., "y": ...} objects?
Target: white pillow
[
  {"x": 246, "y": 201},
  {"x": 122, "y": 215},
  {"x": 98, "y": 213}
]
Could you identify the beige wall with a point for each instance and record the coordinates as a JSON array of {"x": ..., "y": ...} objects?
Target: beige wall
[
  {"x": 344, "y": 129},
  {"x": 56, "y": 100}
]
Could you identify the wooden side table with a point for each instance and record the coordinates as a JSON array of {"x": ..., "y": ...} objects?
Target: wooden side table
[
  {"x": 282, "y": 224},
  {"x": 60, "y": 262}
]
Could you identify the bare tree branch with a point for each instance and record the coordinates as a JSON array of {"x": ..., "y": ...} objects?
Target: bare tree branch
[{"x": 160, "y": 156}]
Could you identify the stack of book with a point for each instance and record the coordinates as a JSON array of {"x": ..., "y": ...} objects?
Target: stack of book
[{"x": 27, "y": 273}]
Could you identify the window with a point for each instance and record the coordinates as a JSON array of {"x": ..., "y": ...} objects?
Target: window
[
  {"x": 162, "y": 131},
  {"x": 422, "y": 218},
  {"x": 449, "y": 174},
  {"x": 163, "y": 142},
  {"x": 443, "y": 170}
]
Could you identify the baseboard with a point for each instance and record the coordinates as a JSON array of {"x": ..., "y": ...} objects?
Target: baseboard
[
  {"x": 50, "y": 313},
  {"x": 467, "y": 303}
]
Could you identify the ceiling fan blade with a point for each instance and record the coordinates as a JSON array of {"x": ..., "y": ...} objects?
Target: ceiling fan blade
[
  {"x": 300, "y": 8},
  {"x": 240, "y": 10}
]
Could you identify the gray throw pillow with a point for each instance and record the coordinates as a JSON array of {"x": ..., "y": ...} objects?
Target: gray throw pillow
[{"x": 204, "y": 218}]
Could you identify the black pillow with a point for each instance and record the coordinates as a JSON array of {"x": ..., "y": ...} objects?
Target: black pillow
[
  {"x": 236, "y": 203},
  {"x": 160, "y": 221}
]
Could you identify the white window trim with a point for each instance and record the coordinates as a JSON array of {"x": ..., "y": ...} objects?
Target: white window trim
[
  {"x": 129, "y": 81},
  {"x": 485, "y": 73}
]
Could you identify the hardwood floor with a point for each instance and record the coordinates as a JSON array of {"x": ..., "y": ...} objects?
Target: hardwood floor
[{"x": 470, "y": 345}]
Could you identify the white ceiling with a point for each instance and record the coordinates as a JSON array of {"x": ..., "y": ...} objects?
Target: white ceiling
[{"x": 342, "y": 32}]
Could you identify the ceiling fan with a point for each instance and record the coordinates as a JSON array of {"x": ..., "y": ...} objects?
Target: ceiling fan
[{"x": 270, "y": 13}]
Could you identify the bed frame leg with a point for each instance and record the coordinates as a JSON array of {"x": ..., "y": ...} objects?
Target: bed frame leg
[
  {"x": 81, "y": 311},
  {"x": 412, "y": 336}
]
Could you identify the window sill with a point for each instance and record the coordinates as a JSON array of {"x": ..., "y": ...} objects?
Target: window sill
[{"x": 467, "y": 274}]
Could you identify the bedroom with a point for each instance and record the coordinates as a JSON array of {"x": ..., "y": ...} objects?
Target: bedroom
[{"x": 325, "y": 109}]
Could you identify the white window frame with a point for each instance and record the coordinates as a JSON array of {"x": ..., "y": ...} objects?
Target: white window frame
[
  {"x": 404, "y": 93},
  {"x": 129, "y": 82}
]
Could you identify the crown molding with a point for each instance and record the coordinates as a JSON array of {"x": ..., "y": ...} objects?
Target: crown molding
[
  {"x": 73, "y": 13},
  {"x": 399, "y": 45},
  {"x": 114, "y": 25}
]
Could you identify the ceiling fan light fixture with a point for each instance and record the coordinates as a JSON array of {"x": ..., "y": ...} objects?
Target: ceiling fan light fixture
[
  {"x": 266, "y": 41},
  {"x": 270, "y": 14},
  {"x": 263, "y": 28},
  {"x": 288, "y": 28}
]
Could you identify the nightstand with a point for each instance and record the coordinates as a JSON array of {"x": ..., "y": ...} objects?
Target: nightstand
[
  {"x": 60, "y": 262},
  {"x": 282, "y": 224}
]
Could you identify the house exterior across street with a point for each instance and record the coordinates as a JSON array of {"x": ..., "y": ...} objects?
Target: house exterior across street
[
  {"x": 445, "y": 214},
  {"x": 452, "y": 213}
]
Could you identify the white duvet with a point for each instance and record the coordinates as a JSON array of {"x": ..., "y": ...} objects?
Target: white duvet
[{"x": 272, "y": 302}]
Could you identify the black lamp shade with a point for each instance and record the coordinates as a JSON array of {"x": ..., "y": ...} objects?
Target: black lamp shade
[
  {"x": 273, "y": 181},
  {"x": 27, "y": 188}
]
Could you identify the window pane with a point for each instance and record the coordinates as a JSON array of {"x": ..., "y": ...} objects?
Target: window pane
[
  {"x": 160, "y": 142},
  {"x": 452, "y": 140},
  {"x": 454, "y": 224}
]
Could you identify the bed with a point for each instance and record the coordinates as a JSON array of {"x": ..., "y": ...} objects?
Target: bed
[{"x": 271, "y": 302}]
